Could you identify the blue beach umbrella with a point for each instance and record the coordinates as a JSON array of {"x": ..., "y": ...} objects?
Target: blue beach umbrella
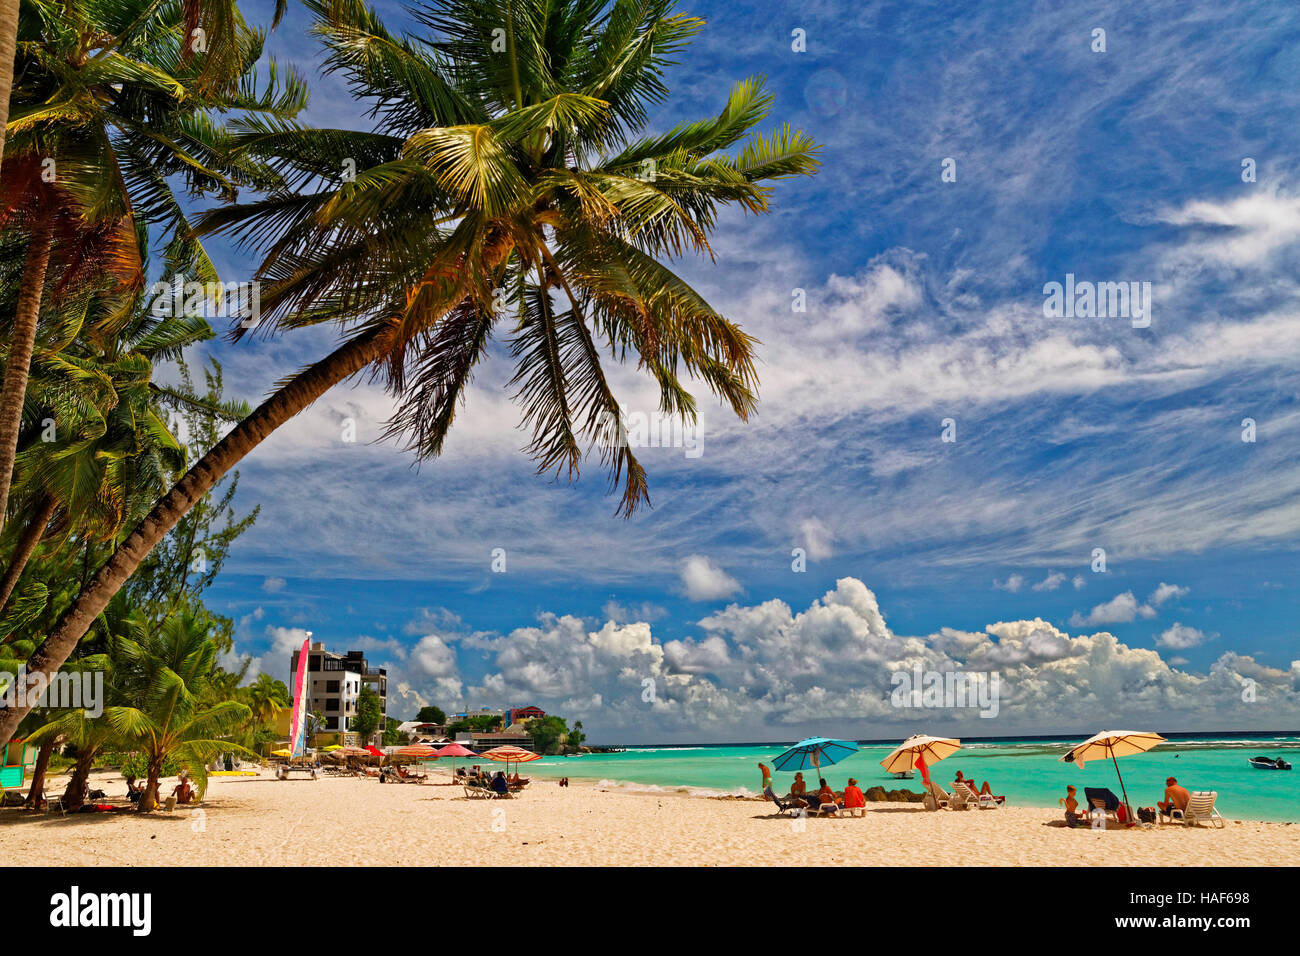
[{"x": 814, "y": 752}]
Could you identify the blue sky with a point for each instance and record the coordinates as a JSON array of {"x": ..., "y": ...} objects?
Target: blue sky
[{"x": 924, "y": 303}]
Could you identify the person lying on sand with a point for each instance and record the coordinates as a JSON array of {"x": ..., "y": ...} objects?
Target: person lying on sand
[{"x": 1176, "y": 797}]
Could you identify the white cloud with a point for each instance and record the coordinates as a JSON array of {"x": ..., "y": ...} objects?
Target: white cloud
[
  {"x": 1180, "y": 637},
  {"x": 1053, "y": 581},
  {"x": 1166, "y": 591},
  {"x": 273, "y": 585},
  {"x": 762, "y": 671},
  {"x": 705, "y": 581},
  {"x": 1013, "y": 583},
  {"x": 817, "y": 538},
  {"x": 1120, "y": 609}
]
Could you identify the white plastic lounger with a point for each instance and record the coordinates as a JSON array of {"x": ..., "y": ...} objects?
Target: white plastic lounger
[
  {"x": 936, "y": 797},
  {"x": 1200, "y": 809}
]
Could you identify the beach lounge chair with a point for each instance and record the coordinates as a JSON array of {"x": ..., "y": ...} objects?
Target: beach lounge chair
[
  {"x": 937, "y": 797},
  {"x": 484, "y": 793},
  {"x": 1102, "y": 799},
  {"x": 782, "y": 806},
  {"x": 828, "y": 809},
  {"x": 984, "y": 801},
  {"x": 1200, "y": 809}
]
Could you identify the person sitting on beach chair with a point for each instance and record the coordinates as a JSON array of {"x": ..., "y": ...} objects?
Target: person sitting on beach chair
[
  {"x": 984, "y": 791},
  {"x": 133, "y": 792},
  {"x": 1176, "y": 798},
  {"x": 826, "y": 800},
  {"x": 855, "y": 800},
  {"x": 499, "y": 784},
  {"x": 799, "y": 791}
]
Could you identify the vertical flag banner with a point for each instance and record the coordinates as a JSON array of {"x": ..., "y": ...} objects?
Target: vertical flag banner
[{"x": 298, "y": 721}]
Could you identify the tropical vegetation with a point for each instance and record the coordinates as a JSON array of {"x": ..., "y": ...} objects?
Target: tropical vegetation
[{"x": 507, "y": 190}]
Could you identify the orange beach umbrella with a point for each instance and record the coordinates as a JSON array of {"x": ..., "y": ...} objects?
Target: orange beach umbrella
[{"x": 510, "y": 755}]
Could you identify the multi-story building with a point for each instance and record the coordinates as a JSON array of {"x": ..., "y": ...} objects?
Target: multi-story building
[{"x": 334, "y": 683}]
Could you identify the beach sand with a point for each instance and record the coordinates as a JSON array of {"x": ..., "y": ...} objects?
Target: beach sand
[{"x": 251, "y": 821}]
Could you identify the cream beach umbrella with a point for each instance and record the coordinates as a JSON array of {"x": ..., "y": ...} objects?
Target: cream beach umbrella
[
  {"x": 508, "y": 755},
  {"x": 932, "y": 749},
  {"x": 1112, "y": 744}
]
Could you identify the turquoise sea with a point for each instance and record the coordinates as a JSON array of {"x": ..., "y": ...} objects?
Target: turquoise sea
[{"x": 1028, "y": 771}]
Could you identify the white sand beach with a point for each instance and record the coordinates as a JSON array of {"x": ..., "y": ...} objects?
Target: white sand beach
[{"x": 252, "y": 821}]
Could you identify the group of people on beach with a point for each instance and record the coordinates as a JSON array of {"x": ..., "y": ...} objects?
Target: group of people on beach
[
  {"x": 1176, "y": 798},
  {"x": 851, "y": 799}
]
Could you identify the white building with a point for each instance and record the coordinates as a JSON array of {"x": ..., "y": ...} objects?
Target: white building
[{"x": 334, "y": 683}]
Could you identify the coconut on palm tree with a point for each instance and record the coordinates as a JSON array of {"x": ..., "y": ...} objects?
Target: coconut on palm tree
[{"x": 504, "y": 189}]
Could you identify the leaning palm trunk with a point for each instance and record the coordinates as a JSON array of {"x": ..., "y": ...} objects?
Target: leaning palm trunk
[
  {"x": 8, "y": 45},
  {"x": 74, "y": 797},
  {"x": 19, "y": 363},
  {"x": 366, "y": 348},
  {"x": 36, "y": 792},
  {"x": 288, "y": 401},
  {"x": 23, "y": 550}
]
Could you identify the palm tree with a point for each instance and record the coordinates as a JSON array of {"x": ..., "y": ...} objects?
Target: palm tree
[
  {"x": 113, "y": 105},
  {"x": 494, "y": 184},
  {"x": 112, "y": 451},
  {"x": 166, "y": 671},
  {"x": 89, "y": 735},
  {"x": 266, "y": 699}
]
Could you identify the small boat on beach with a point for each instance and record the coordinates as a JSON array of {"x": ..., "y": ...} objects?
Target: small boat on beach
[
  {"x": 1269, "y": 763},
  {"x": 903, "y": 775}
]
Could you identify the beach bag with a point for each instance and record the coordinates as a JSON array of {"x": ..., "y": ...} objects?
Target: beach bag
[{"x": 1147, "y": 814}]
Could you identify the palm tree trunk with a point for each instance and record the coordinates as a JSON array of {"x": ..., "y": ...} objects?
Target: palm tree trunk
[
  {"x": 31, "y": 537},
  {"x": 288, "y": 401},
  {"x": 149, "y": 799},
  {"x": 19, "y": 363},
  {"x": 8, "y": 44},
  {"x": 36, "y": 792},
  {"x": 74, "y": 797},
  {"x": 303, "y": 389}
]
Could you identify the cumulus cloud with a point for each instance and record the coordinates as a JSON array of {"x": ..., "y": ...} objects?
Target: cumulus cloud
[
  {"x": 1053, "y": 581},
  {"x": 1013, "y": 583},
  {"x": 765, "y": 670},
  {"x": 1179, "y": 637},
  {"x": 1166, "y": 591},
  {"x": 274, "y": 661},
  {"x": 703, "y": 580},
  {"x": 432, "y": 664},
  {"x": 1120, "y": 609}
]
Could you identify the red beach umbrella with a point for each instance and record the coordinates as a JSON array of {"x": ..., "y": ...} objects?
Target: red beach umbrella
[{"x": 455, "y": 750}]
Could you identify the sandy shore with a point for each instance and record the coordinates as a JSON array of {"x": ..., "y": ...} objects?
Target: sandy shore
[{"x": 343, "y": 821}]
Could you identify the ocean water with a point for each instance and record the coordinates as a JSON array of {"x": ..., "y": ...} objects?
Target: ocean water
[{"x": 1028, "y": 772}]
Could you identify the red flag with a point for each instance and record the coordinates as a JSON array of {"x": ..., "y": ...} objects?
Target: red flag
[{"x": 925, "y": 771}]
